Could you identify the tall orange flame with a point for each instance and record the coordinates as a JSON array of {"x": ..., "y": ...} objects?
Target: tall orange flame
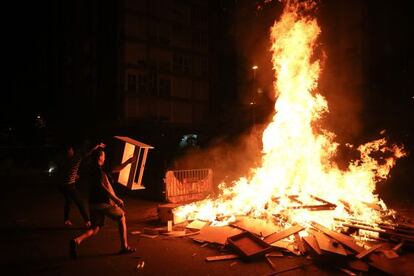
[{"x": 297, "y": 156}]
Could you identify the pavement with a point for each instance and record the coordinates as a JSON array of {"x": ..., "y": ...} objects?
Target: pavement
[{"x": 34, "y": 240}]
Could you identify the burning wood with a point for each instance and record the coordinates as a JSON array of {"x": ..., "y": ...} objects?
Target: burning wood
[{"x": 298, "y": 186}]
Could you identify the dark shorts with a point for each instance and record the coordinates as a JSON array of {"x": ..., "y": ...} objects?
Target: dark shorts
[{"x": 98, "y": 214}]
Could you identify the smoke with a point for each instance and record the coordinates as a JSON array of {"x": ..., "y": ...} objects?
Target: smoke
[{"x": 229, "y": 157}]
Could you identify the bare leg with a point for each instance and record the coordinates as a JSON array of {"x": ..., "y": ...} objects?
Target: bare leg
[
  {"x": 125, "y": 249},
  {"x": 89, "y": 233},
  {"x": 122, "y": 228},
  {"x": 73, "y": 244}
]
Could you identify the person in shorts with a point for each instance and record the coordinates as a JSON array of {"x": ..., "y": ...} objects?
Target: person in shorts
[
  {"x": 103, "y": 202},
  {"x": 68, "y": 181}
]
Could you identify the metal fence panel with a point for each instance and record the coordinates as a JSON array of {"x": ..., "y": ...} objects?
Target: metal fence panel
[{"x": 183, "y": 186}]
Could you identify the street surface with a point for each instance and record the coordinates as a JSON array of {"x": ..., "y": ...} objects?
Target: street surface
[{"x": 34, "y": 240}]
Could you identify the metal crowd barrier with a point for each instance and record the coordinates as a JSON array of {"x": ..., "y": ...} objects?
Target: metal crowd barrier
[{"x": 182, "y": 186}]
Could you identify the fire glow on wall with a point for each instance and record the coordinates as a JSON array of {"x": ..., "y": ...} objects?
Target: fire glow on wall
[{"x": 131, "y": 175}]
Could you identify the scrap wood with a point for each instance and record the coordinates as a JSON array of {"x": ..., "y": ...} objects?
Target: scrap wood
[
  {"x": 382, "y": 231},
  {"x": 320, "y": 207},
  {"x": 190, "y": 234},
  {"x": 389, "y": 254},
  {"x": 151, "y": 231},
  {"x": 255, "y": 226},
  {"x": 222, "y": 257},
  {"x": 370, "y": 250},
  {"x": 249, "y": 245},
  {"x": 299, "y": 243},
  {"x": 272, "y": 265},
  {"x": 289, "y": 264},
  {"x": 383, "y": 264},
  {"x": 399, "y": 228},
  {"x": 347, "y": 271},
  {"x": 291, "y": 247},
  {"x": 295, "y": 199},
  {"x": 215, "y": 234},
  {"x": 148, "y": 236},
  {"x": 196, "y": 224},
  {"x": 274, "y": 254},
  {"x": 176, "y": 233},
  {"x": 327, "y": 244},
  {"x": 345, "y": 240},
  {"x": 283, "y": 234},
  {"x": 398, "y": 246},
  {"x": 358, "y": 264},
  {"x": 311, "y": 241},
  {"x": 322, "y": 200},
  {"x": 347, "y": 206},
  {"x": 313, "y": 207}
]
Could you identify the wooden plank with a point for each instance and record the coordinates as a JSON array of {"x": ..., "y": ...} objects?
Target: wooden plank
[
  {"x": 272, "y": 265},
  {"x": 255, "y": 226},
  {"x": 359, "y": 265},
  {"x": 275, "y": 254},
  {"x": 322, "y": 200},
  {"x": 345, "y": 240},
  {"x": 283, "y": 234},
  {"x": 347, "y": 271},
  {"x": 222, "y": 257},
  {"x": 382, "y": 231},
  {"x": 299, "y": 243},
  {"x": 384, "y": 264},
  {"x": 389, "y": 254},
  {"x": 311, "y": 241},
  {"x": 398, "y": 246},
  {"x": 295, "y": 199},
  {"x": 327, "y": 244},
  {"x": 370, "y": 250},
  {"x": 321, "y": 207},
  {"x": 196, "y": 224},
  {"x": 291, "y": 247},
  {"x": 214, "y": 234},
  {"x": 290, "y": 264}
]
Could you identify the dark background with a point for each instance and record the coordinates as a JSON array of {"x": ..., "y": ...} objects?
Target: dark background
[{"x": 33, "y": 35}]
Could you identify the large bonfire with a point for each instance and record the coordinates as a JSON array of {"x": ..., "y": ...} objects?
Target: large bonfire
[{"x": 297, "y": 156}]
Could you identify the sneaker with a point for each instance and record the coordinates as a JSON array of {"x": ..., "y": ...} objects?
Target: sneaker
[
  {"x": 68, "y": 223},
  {"x": 88, "y": 224},
  {"x": 73, "y": 249}
]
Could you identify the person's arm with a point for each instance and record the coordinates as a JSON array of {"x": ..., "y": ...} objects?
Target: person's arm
[
  {"x": 118, "y": 168},
  {"x": 87, "y": 154},
  {"x": 106, "y": 185}
]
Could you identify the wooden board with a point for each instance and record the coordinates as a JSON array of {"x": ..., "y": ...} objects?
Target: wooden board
[
  {"x": 311, "y": 241},
  {"x": 216, "y": 234},
  {"x": 329, "y": 245},
  {"x": 299, "y": 243},
  {"x": 370, "y": 250},
  {"x": 345, "y": 240},
  {"x": 283, "y": 234},
  {"x": 249, "y": 245},
  {"x": 222, "y": 257},
  {"x": 256, "y": 226},
  {"x": 196, "y": 224}
]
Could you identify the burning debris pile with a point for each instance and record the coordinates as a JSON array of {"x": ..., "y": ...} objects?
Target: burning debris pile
[{"x": 299, "y": 200}]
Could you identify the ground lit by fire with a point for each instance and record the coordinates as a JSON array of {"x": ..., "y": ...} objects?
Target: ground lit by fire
[{"x": 297, "y": 170}]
